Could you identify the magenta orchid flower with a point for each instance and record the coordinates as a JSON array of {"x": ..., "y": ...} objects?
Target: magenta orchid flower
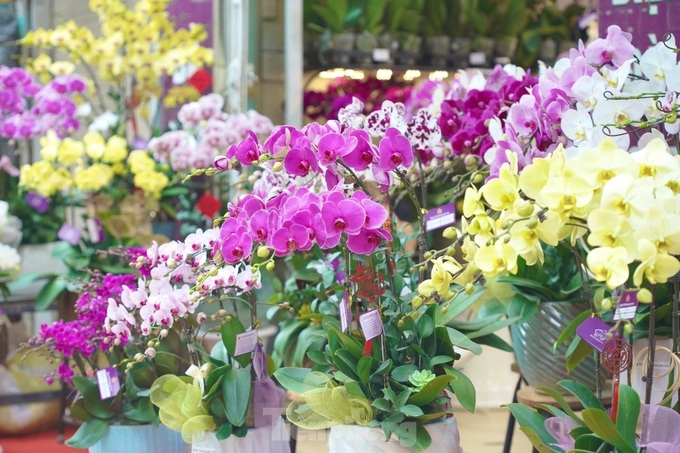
[
  {"x": 363, "y": 154},
  {"x": 346, "y": 216},
  {"x": 395, "y": 151},
  {"x": 367, "y": 241},
  {"x": 286, "y": 240},
  {"x": 332, "y": 146},
  {"x": 301, "y": 161},
  {"x": 237, "y": 246}
]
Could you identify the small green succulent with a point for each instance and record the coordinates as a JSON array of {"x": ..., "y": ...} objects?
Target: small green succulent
[{"x": 420, "y": 379}]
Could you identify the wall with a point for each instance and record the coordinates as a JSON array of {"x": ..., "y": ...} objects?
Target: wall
[{"x": 268, "y": 93}]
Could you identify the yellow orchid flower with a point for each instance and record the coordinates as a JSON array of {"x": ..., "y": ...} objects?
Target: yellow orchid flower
[
  {"x": 655, "y": 161},
  {"x": 472, "y": 204},
  {"x": 600, "y": 164},
  {"x": 608, "y": 228},
  {"x": 654, "y": 266},
  {"x": 609, "y": 265},
  {"x": 495, "y": 259},
  {"x": 440, "y": 280},
  {"x": 502, "y": 192}
]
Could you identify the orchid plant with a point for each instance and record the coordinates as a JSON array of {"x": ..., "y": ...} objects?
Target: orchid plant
[
  {"x": 86, "y": 347},
  {"x": 10, "y": 237}
]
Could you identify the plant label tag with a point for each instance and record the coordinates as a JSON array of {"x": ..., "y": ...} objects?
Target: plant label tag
[
  {"x": 594, "y": 332},
  {"x": 200, "y": 449},
  {"x": 246, "y": 343},
  {"x": 371, "y": 324},
  {"x": 440, "y": 217},
  {"x": 345, "y": 312},
  {"x": 477, "y": 58},
  {"x": 95, "y": 230},
  {"x": 381, "y": 55},
  {"x": 107, "y": 380},
  {"x": 627, "y": 306}
]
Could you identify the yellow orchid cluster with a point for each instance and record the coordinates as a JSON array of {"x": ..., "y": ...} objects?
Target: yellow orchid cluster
[
  {"x": 626, "y": 206},
  {"x": 139, "y": 42},
  {"x": 90, "y": 165}
]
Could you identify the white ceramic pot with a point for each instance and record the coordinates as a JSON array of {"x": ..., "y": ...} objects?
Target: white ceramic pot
[
  {"x": 270, "y": 439},
  {"x": 140, "y": 439},
  {"x": 360, "y": 439}
]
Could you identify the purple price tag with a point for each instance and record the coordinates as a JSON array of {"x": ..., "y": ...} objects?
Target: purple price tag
[
  {"x": 371, "y": 324},
  {"x": 95, "y": 230},
  {"x": 107, "y": 380},
  {"x": 345, "y": 312},
  {"x": 246, "y": 342},
  {"x": 440, "y": 217},
  {"x": 627, "y": 306},
  {"x": 594, "y": 332}
]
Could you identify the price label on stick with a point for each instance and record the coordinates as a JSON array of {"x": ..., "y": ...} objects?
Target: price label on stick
[
  {"x": 246, "y": 343},
  {"x": 345, "y": 312},
  {"x": 108, "y": 383},
  {"x": 371, "y": 324},
  {"x": 594, "y": 332},
  {"x": 627, "y": 306},
  {"x": 440, "y": 217}
]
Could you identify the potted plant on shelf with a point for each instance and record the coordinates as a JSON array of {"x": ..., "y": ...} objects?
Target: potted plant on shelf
[
  {"x": 370, "y": 26},
  {"x": 437, "y": 42},
  {"x": 338, "y": 19},
  {"x": 408, "y": 32},
  {"x": 476, "y": 12},
  {"x": 513, "y": 17}
]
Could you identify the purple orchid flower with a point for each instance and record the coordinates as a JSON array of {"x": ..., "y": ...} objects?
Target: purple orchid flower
[{"x": 395, "y": 151}]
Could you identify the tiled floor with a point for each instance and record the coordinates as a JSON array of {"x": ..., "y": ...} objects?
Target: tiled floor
[{"x": 481, "y": 432}]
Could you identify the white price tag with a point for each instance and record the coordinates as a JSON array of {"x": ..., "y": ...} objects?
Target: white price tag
[
  {"x": 371, "y": 324},
  {"x": 381, "y": 55},
  {"x": 477, "y": 58},
  {"x": 246, "y": 343},
  {"x": 345, "y": 313}
]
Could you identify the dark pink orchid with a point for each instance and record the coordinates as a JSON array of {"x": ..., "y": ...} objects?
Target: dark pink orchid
[
  {"x": 367, "y": 241},
  {"x": 363, "y": 154},
  {"x": 347, "y": 216},
  {"x": 334, "y": 145},
  {"x": 286, "y": 240},
  {"x": 237, "y": 246},
  {"x": 300, "y": 161}
]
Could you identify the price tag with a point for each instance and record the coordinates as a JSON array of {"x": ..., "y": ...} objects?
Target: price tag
[
  {"x": 108, "y": 383},
  {"x": 477, "y": 58},
  {"x": 199, "y": 449},
  {"x": 627, "y": 306},
  {"x": 345, "y": 312},
  {"x": 95, "y": 230},
  {"x": 246, "y": 342},
  {"x": 594, "y": 332},
  {"x": 440, "y": 217},
  {"x": 371, "y": 324},
  {"x": 381, "y": 55}
]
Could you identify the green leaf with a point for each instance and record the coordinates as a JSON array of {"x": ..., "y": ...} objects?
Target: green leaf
[
  {"x": 236, "y": 387},
  {"x": 462, "y": 387},
  {"x": 382, "y": 404},
  {"x": 140, "y": 411},
  {"x": 411, "y": 410},
  {"x": 212, "y": 382},
  {"x": 563, "y": 404},
  {"x": 432, "y": 390},
  {"x": 599, "y": 421},
  {"x": 347, "y": 363},
  {"x": 285, "y": 339},
  {"x": 292, "y": 378},
  {"x": 463, "y": 302},
  {"x": 230, "y": 329},
  {"x": 583, "y": 393},
  {"x": 628, "y": 413},
  {"x": 529, "y": 419},
  {"x": 492, "y": 327},
  {"x": 364, "y": 369},
  {"x": 462, "y": 341},
  {"x": 401, "y": 399},
  {"x": 425, "y": 327},
  {"x": 570, "y": 331},
  {"x": 576, "y": 356},
  {"x": 89, "y": 433},
  {"x": 306, "y": 340},
  {"x": 225, "y": 431},
  {"x": 49, "y": 293},
  {"x": 438, "y": 360},
  {"x": 535, "y": 440},
  {"x": 523, "y": 307},
  {"x": 494, "y": 341},
  {"x": 587, "y": 443},
  {"x": 384, "y": 368},
  {"x": 91, "y": 398},
  {"x": 423, "y": 438},
  {"x": 339, "y": 340},
  {"x": 79, "y": 412},
  {"x": 403, "y": 372}
]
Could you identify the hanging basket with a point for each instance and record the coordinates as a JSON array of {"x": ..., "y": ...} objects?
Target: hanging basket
[{"x": 361, "y": 439}]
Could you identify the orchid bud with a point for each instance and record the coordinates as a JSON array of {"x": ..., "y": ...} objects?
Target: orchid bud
[
  {"x": 671, "y": 118},
  {"x": 470, "y": 162},
  {"x": 628, "y": 328},
  {"x": 450, "y": 233},
  {"x": 469, "y": 288},
  {"x": 116, "y": 342},
  {"x": 201, "y": 318},
  {"x": 213, "y": 272},
  {"x": 139, "y": 357},
  {"x": 417, "y": 301},
  {"x": 277, "y": 166},
  {"x": 644, "y": 296},
  {"x": 262, "y": 251},
  {"x": 270, "y": 266},
  {"x": 444, "y": 309},
  {"x": 477, "y": 178},
  {"x": 525, "y": 209},
  {"x": 150, "y": 343},
  {"x": 532, "y": 223},
  {"x": 414, "y": 315},
  {"x": 222, "y": 313},
  {"x": 606, "y": 303},
  {"x": 429, "y": 254},
  {"x": 150, "y": 353}
]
